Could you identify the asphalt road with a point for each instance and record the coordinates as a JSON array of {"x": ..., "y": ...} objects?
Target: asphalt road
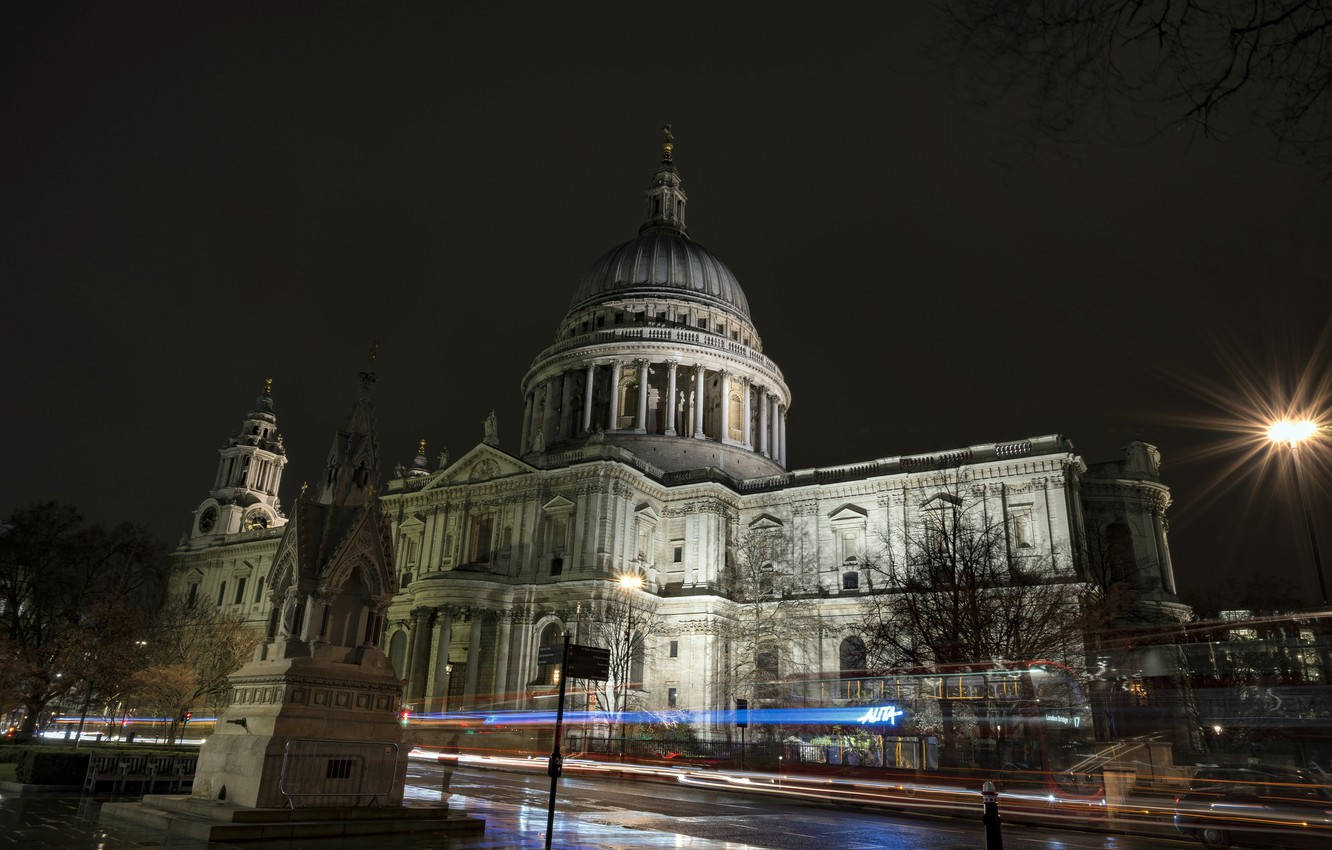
[{"x": 614, "y": 813}]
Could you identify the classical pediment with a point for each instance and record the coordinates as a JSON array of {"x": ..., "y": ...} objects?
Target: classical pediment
[
  {"x": 411, "y": 523},
  {"x": 483, "y": 463},
  {"x": 645, "y": 513},
  {"x": 763, "y": 521},
  {"x": 939, "y": 500},
  {"x": 848, "y": 513},
  {"x": 559, "y": 504}
]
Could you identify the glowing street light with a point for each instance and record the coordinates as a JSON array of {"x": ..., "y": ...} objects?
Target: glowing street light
[
  {"x": 630, "y": 581},
  {"x": 1294, "y": 434}
]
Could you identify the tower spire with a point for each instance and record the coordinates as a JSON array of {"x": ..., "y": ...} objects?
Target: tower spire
[
  {"x": 353, "y": 460},
  {"x": 665, "y": 196}
]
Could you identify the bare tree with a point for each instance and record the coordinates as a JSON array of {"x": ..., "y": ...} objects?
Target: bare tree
[
  {"x": 961, "y": 596},
  {"x": 772, "y": 618},
  {"x": 954, "y": 596},
  {"x": 625, "y": 627},
  {"x": 73, "y": 596},
  {"x": 1209, "y": 64},
  {"x": 192, "y": 649}
]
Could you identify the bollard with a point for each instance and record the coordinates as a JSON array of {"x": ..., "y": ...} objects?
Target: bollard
[{"x": 994, "y": 837}]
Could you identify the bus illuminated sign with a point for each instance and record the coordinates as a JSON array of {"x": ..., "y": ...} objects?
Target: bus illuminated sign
[{"x": 881, "y": 714}]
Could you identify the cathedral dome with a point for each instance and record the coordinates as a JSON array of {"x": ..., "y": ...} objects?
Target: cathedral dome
[{"x": 662, "y": 262}]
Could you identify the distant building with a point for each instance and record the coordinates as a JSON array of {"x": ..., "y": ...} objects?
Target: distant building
[{"x": 654, "y": 437}]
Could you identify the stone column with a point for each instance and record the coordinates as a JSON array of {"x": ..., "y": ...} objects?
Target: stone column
[
  {"x": 473, "y": 655},
  {"x": 527, "y": 424},
  {"x": 503, "y": 626},
  {"x": 548, "y": 415},
  {"x": 565, "y": 427},
  {"x": 640, "y": 421},
  {"x": 773, "y": 416},
  {"x": 782, "y": 431},
  {"x": 725, "y": 405},
  {"x": 614, "y": 396},
  {"x": 587, "y": 397},
  {"x": 747, "y": 430},
  {"x": 419, "y": 658},
  {"x": 437, "y": 679},
  {"x": 763, "y": 421},
  {"x": 699, "y": 373},
  {"x": 670, "y": 398}
]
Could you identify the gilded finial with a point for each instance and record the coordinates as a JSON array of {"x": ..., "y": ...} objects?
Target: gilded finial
[
  {"x": 668, "y": 146},
  {"x": 420, "y": 447},
  {"x": 268, "y": 386},
  {"x": 305, "y": 485},
  {"x": 374, "y": 351}
]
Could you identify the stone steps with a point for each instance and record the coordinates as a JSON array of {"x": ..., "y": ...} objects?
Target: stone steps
[{"x": 204, "y": 820}]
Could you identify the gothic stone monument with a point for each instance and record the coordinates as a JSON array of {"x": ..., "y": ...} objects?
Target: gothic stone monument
[{"x": 313, "y": 718}]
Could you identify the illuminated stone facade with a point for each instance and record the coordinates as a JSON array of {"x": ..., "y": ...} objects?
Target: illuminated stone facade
[{"x": 653, "y": 439}]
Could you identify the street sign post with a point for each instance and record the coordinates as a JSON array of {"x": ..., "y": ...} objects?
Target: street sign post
[
  {"x": 587, "y": 662},
  {"x": 742, "y": 720},
  {"x": 576, "y": 662}
]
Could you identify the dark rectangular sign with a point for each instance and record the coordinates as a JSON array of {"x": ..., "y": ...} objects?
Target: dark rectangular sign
[
  {"x": 587, "y": 662},
  {"x": 549, "y": 655}
]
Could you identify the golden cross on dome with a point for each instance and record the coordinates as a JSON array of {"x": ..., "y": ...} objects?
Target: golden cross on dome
[
  {"x": 668, "y": 146},
  {"x": 374, "y": 350},
  {"x": 420, "y": 447},
  {"x": 268, "y": 386}
]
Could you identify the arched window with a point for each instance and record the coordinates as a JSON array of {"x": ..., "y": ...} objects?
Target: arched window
[
  {"x": 851, "y": 657},
  {"x": 398, "y": 652},
  {"x": 552, "y": 636}
]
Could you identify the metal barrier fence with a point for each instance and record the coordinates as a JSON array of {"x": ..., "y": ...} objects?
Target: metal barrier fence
[
  {"x": 143, "y": 774},
  {"x": 337, "y": 773}
]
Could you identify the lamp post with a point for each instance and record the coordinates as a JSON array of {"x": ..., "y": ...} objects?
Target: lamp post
[
  {"x": 1294, "y": 434},
  {"x": 629, "y": 582}
]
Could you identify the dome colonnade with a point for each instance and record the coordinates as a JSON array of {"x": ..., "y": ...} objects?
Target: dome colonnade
[{"x": 658, "y": 353}]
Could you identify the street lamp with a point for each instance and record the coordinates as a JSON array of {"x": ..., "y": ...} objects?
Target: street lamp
[
  {"x": 1294, "y": 434},
  {"x": 629, "y": 582}
]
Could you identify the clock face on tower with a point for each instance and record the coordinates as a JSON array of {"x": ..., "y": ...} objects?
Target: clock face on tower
[
  {"x": 256, "y": 521},
  {"x": 207, "y": 520}
]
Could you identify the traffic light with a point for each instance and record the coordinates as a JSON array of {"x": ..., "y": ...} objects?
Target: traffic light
[
  {"x": 187, "y": 717},
  {"x": 403, "y": 715}
]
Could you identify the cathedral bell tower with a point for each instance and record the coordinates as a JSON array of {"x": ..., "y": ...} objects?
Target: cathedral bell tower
[{"x": 249, "y": 470}]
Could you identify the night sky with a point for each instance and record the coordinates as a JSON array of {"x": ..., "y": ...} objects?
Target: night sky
[{"x": 197, "y": 199}]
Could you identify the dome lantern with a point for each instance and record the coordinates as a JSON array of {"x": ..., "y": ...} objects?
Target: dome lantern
[{"x": 665, "y": 199}]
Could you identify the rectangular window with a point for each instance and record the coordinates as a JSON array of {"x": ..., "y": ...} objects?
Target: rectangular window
[
  {"x": 640, "y": 316},
  {"x": 678, "y": 555},
  {"x": 672, "y": 697},
  {"x": 221, "y": 593},
  {"x": 675, "y": 649},
  {"x": 601, "y": 320},
  {"x": 240, "y": 590},
  {"x": 338, "y": 769},
  {"x": 483, "y": 528},
  {"x": 556, "y": 565},
  {"x": 193, "y": 595},
  {"x": 661, "y": 316},
  {"x": 619, "y": 318},
  {"x": 1023, "y": 538},
  {"x": 850, "y": 581},
  {"x": 259, "y": 590},
  {"x": 702, "y": 324}
]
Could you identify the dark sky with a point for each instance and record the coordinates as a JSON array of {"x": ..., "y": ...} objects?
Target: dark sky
[{"x": 198, "y": 198}]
